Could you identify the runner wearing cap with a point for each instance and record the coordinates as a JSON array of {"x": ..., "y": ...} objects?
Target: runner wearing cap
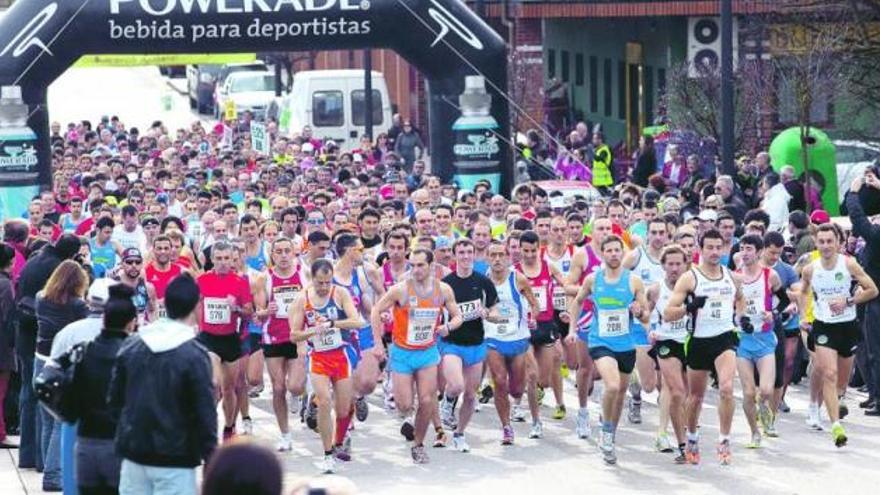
[
  {"x": 150, "y": 226},
  {"x": 130, "y": 273},
  {"x": 225, "y": 297}
]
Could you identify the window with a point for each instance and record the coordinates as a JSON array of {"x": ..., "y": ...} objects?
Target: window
[
  {"x": 551, "y": 63},
  {"x": 606, "y": 89},
  {"x": 579, "y": 69},
  {"x": 649, "y": 95},
  {"x": 327, "y": 109},
  {"x": 251, "y": 84},
  {"x": 357, "y": 107},
  {"x": 565, "y": 71},
  {"x": 594, "y": 85},
  {"x": 621, "y": 90}
]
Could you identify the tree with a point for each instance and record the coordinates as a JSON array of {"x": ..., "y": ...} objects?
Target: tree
[{"x": 694, "y": 103}]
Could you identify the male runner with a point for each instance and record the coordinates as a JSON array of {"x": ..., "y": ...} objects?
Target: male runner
[
  {"x": 394, "y": 270},
  {"x": 161, "y": 271},
  {"x": 507, "y": 339},
  {"x": 464, "y": 351},
  {"x": 618, "y": 297},
  {"x": 543, "y": 278},
  {"x": 834, "y": 333},
  {"x": 129, "y": 273},
  {"x": 326, "y": 317},
  {"x": 359, "y": 279},
  {"x": 417, "y": 302},
  {"x": 224, "y": 297},
  {"x": 756, "y": 352},
  {"x": 255, "y": 247},
  {"x": 585, "y": 262},
  {"x": 713, "y": 297},
  {"x": 558, "y": 253},
  {"x": 668, "y": 339},
  {"x": 645, "y": 262}
]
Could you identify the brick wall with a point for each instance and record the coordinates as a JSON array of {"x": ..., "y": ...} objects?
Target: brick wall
[{"x": 527, "y": 73}]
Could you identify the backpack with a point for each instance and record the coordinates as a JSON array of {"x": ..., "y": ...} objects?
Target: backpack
[{"x": 54, "y": 383}]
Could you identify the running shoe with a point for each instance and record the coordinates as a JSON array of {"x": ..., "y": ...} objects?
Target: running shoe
[
  {"x": 663, "y": 443},
  {"x": 388, "y": 394},
  {"x": 419, "y": 454},
  {"x": 407, "y": 430},
  {"x": 634, "y": 414},
  {"x": 537, "y": 430},
  {"x": 607, "y": 448},
  {"x": 507, "y": 435},
  {"x": 783, "y": 407},
  {"x": 692, "y": 452},
  {"x": 285, "y": 443},
  {"x": 582, "y": 427},
  {"x": 340, "y": 453},
  {"x": 346, "y": 444},
  {"x": 327, "y": 464},
  {"x": 388, "y": 403},
  {"x": 312, "y": 414},
  {"x": 440, "y": 438},
  {"x": 361, "y": 409},
  {"x": 724, "y": 452},
  {"x": 247, "y": 426},
  {"x": 294, "y": 405},
  {"x": 559, "y": 413},
  {"x": 459, "y": 443},
  {"x": 486, "y": 394},
  {"x": 764, "y": 414},
  {"x": 842, "y": 409},
  {"x": 228, "y": 433},
  {"x": 681, "y": 457},
  {"x": 255, "y": 392},
  {"x": 519, "y": 413},
  {"x": 771, "y": 431},
  {"x": 813, "y": 419},
  {"x": 447, "y": 414},
  {"x": 564, "y": 371},
  {"x": 755, "y": 443},
  {"x": 838, "y": 434},
  {"x": 540, "y": 396}
]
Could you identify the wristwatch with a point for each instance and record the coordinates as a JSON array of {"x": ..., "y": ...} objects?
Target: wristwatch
[{"x": 850, "y": 301}]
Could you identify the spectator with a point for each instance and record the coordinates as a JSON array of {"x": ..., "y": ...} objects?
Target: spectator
[
  {"x": 571, "y": 166},
  {"x": 97, "y": 465},
  {"x": 675, "y": 172},
  {"x": 240, "y": 468},
  {"x": 794, "y": 187},
  {"x": 167, "y": 422},
  {"x": 59, "y": 304},
  {"x": 416, "y": 176},
  {"x": 775, "y": 201},
  {"x": 870, "y": 259},
  {"x": 646, "y": 161},
  {"x": 33, "y": 278},
  {"x": 7, "y": 337},
  {"x": 406, "y": 143},
  {"x": 733, "y": 203}
]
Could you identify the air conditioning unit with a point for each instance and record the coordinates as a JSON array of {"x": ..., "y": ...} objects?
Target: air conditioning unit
[{"x": 704, "y": 43}]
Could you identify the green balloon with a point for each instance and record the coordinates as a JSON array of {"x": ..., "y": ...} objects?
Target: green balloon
[{"x": 786, "y": 150}]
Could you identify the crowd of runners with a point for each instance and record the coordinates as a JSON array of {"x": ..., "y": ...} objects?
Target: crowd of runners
[{"x": 342, "y": 275}]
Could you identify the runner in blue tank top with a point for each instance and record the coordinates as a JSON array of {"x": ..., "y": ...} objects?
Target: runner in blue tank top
[{"x": 618, "y": 297}]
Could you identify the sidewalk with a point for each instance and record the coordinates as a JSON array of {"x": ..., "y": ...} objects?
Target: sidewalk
[{"x": 16, "y": 481}]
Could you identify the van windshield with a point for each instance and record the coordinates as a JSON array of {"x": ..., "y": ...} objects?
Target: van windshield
[{"x": 254, "y": 83}]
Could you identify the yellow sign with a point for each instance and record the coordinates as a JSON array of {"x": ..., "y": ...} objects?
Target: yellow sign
[
  {"x": 229, "y": 111},
  {"x": 163, "y": 59},
  {"x": 798, "y": 39}
]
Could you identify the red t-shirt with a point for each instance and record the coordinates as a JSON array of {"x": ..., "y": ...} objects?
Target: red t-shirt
[{"x": 216, "y": 316}]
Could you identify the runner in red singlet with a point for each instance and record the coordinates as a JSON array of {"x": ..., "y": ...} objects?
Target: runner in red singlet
[{"x": 161, "y": 271}]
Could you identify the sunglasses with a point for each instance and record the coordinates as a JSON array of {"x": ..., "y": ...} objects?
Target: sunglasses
[
  {"x": 133, "y": 262},
  {"x": 315, "y": 221}
]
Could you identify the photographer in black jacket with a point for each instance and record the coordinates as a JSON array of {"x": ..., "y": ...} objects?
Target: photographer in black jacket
[
  {"x": 97, "y": 465},
  {"x": 870, "y": 259},
  {"x": 162, "y": 395}
]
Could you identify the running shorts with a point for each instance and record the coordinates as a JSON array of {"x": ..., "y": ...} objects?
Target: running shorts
[
  {"x": 842, "y": 337},
  {"x": 470, "y": 354},
  {"x": 508, "y": 348},
  {"x": 336, "y": 365},
  {"x": 668, "y": 349},
  {"x": 545, "y": 333},
  {"x": 756, "y": 345},
  {"x": 701, "y": 352},
  {"x": 226, "y": 347},
  {"x": 285, "y": 350},
  {"x": 408, "y": 361},
  {"x": 626, "y": 360}
]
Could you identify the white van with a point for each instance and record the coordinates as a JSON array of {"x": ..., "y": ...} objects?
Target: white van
[{"x": 332, "y": 103}]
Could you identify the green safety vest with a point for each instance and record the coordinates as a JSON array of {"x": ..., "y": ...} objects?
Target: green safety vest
[{"x": 602, "y": 168}]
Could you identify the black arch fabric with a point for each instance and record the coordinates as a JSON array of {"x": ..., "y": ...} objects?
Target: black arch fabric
[{"x": 40, "y": 39}]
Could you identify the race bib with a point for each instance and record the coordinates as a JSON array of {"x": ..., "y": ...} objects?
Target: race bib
[
  {"x": 559, "y": 301},
  {"x": 217, "y": 311},
  {"x": 421, "y": 326},
  {"x": 471, "y": 310},
  {"x": 327, "y": 339},
  {"x": 504, "y": 325},
  {"x": 541, "y": 296},
  {"x": 613, "y": 322},
  {"x": 714, "y": 308},
  {"x": 283, "y": 299},
  {"x": 678, "y": 328},
  {"x": 160, "y": 310}
]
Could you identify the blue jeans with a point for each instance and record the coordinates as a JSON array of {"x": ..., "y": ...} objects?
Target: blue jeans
[
  {"x": 139, "y": 479},
  {"x": 68, "y": 458},
  {"x": 49, "y": 431},
  {"x": 28, "y": 453}
]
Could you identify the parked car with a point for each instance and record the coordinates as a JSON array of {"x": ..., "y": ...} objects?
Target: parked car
[
  {"x": 248, "y": 91},
  {"x": 200, "y": 81},
  {"x": 228, "y": 69},
  {"x": 569, "y": 189},
  {"x": 853, "y": 157},
  {"x": 332, "y": 102}
]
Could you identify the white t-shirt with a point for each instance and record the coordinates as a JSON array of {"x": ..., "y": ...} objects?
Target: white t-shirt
[{"x": 136, "y": 239}]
